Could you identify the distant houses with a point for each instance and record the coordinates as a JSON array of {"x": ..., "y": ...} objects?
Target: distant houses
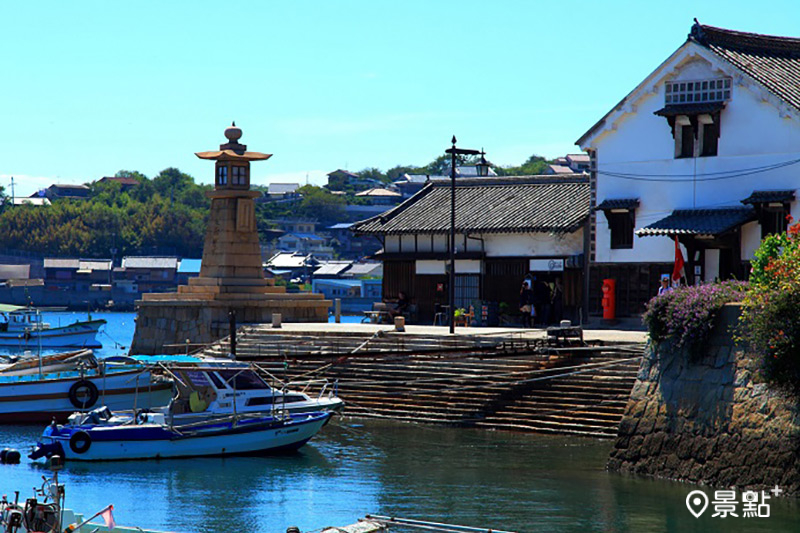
[
  {"x": 93, "y": 283},
  {"x": 67, "y": 190},
  {"x": 125, "y": 183}
]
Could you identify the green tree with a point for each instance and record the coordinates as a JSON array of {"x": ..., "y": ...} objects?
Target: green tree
[{"x": 320, "y": 204}]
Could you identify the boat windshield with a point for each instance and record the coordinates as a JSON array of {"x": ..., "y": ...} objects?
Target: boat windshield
[{"x": 243, "y": 379}]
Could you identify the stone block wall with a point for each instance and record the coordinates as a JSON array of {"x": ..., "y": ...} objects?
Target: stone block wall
[
  {"x": 164, "y": 327},
  {"x": 709, "y": 420}
]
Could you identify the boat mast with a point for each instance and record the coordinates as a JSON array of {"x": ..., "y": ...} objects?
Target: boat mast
[{"x": 39, "y": 339}]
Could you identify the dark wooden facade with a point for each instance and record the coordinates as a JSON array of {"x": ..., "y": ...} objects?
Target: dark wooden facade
[{"x": 499, "y": 283}]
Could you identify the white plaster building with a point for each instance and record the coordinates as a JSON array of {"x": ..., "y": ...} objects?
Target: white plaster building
[{"x": 705, "y": 149}]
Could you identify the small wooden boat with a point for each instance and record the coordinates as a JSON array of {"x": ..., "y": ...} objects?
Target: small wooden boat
[
  {"x": 150, "y": 437},
  {"x": 30, "y": 364},
  {"x": 22, "y": 327}
]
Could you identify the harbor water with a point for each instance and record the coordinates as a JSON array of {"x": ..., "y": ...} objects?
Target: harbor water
[{"x": 518, "y": 482}]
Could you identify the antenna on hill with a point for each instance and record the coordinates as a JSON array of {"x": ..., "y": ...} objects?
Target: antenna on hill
[
  {"x": 12, "y": 190},
  {"x": 306, "y": 178}
]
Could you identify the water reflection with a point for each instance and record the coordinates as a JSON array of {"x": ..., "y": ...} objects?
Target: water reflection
[{"x": 509, "y": 481}]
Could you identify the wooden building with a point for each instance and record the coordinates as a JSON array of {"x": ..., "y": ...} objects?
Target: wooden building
[{"x": 506, "y": 229}]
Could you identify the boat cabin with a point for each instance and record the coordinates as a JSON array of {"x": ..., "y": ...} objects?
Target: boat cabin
[
  {"x": 22, "y": 320},
  {"x": 214, "y": 389}
]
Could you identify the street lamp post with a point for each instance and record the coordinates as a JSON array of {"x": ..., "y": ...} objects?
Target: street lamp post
[{"x": 452, "y": 279}]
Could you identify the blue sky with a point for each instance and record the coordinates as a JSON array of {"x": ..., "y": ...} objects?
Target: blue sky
[{"x": 90, "y": 88}]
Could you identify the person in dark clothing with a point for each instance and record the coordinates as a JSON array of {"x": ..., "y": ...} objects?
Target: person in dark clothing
[
  {"x": 557, "y": 301},
  {"x": 541, "y": 302},
  {"x": 526, "y": 303},
  {"x": 401, "y": 306}
]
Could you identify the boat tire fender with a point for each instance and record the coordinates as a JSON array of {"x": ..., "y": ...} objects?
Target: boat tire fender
[
  {"x": 80, "y": 442},
  {"x": 88, "y": 392}
]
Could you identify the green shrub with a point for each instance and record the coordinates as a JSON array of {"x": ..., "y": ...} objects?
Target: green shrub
[{"x": 770, "y": 320}]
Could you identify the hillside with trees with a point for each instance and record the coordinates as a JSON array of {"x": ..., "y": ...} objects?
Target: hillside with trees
[{"x": 167, "y": 214}]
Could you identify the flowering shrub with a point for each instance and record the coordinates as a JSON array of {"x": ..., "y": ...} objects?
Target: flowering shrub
[
  {"x": 770, "y": 319},
  {"x": 685, "y": 315}
]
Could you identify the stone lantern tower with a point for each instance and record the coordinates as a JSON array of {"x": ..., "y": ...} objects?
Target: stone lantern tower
[
  {"x": 231, "y": 249},
  {"x": 231, "y": 274}
]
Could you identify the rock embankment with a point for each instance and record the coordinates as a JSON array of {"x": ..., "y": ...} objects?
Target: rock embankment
[{"x": 709, "y": 420}]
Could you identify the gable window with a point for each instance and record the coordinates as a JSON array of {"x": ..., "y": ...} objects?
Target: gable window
[
  {"x": 772, "y": 209},
  {"x": 773, "y": 218},
  {"x": 688, "y": 92},
  {"x": 620, "y": 224},
  {"x": 709, "y": 138},
  {"x": 621, "y": 217},
  {"x": 684, "y": 141}
]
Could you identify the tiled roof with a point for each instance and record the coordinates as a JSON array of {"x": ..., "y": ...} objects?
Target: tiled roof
[
  {"x": 379, "y": 192},
  {"x": 490, "y": 205},
  {"x": 771, "y": 60},
  {"x": 760, "y": 197},
  {"x": 289, "y": 260},
  {"x": 305, "y": 236},
  {"x": 699, "y": 221},
  {"x": 364, "y": 269},
  {"x": 282, "y": 188},
  {"x": 190, "y": 266},
  {"x": 417, "y": 178},
  {"x": 560, "y": 169},
  {"x": 150, "y": 262},
  {"x": 618, "y": 203},
  {"x": 121, "y": 180},
  {"x": 53, "y": 262},
  {"x": 332, "y": 268},
  {"x": 78, "y": 264},
  {"x": 577, "y": 158}
]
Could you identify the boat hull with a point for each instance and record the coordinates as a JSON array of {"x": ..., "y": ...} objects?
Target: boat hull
[
  {"x": 153, "y": 441},
  {"x": 77, "y": 335},
  {"x": 30, "y": 399}
]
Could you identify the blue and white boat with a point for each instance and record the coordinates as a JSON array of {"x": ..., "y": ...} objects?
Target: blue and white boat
[
  {"x": 149, "y": 436},
  {"x": 23, "y": 328}
]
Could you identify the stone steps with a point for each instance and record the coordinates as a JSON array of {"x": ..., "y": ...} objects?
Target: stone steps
[{"x": 417, "y": 378}]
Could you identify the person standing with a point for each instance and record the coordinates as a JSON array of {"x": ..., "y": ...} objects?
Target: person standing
[
  {"x": 526, "y": 303},
  {"x": 665, "y": 286},
  {"x": 541, "y": 302},
  {"x": 557, "y": 301}
]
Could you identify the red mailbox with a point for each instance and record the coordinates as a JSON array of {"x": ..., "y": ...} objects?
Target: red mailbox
[{"x": 609, "y": 299}]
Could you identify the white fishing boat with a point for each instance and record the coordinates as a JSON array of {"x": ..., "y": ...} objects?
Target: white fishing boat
[
  {"x": 23, "y": 328},
  {"x": 46, "y": 512},
  {"x": 151, "y": 437},
  {"x": 40, "y": 397}
]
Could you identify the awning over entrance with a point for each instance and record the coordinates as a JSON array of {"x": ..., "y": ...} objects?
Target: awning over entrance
[
  {"x": 618, "y": 203},
  {"x": 688, "y": 222},
  {"x": 764, "y": 197}
]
